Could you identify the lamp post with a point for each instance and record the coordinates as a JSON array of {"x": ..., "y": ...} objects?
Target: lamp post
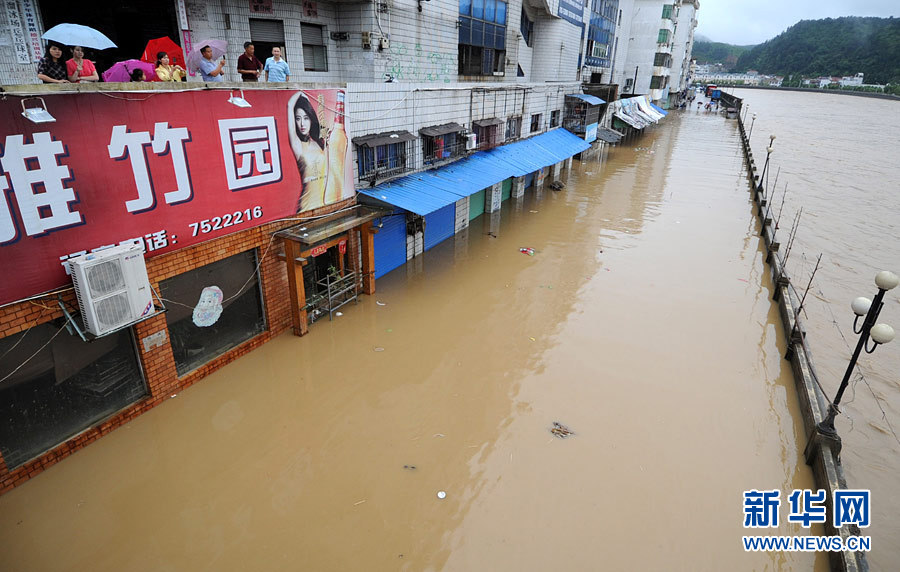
[
  {"x": 753, "y": 118},
  {"x": 880, "y": 334},
  {"x": 769, "y": 150}
]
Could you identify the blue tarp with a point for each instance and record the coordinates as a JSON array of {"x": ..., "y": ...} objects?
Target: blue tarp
[
  {"x": 659, "y": 109},
  {"x": 428, "y": 191},
  {"x": 592, "y": 99}
]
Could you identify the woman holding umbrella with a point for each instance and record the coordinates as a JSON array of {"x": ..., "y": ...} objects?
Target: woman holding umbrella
[
  {"x": 79, "y": 69},
  {"x": 51, "y": 68}
]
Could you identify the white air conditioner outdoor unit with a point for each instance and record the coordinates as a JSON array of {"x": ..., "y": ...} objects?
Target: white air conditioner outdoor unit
[
  {"x": 471, "y": 141},
  {"x": 112, "y": 288}
]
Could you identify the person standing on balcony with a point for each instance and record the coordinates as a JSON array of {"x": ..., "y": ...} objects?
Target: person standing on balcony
[
  {"x": 79, "y": 69},
  {"x": 249, "y": 65},
  {"x": 209, "y": 70},
  {"x": 51, "y": 67},
  {"x": 277, "y": 69},
  {"x": 165, "y": 71}
]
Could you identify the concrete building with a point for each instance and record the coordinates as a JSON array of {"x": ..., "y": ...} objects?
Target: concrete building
[
  {"x": 685, "y": 23},
  {"x": 658, "y": 39},
  {"x": 249, "y": 210}
]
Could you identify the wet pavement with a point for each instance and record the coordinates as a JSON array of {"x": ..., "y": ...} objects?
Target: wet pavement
[{"x": 642, "y": 324}]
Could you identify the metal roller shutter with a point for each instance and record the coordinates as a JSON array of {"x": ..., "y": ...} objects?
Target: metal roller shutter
[
  {"x": 476, "y": 204},
  {"x": 439, "y": 225},
  {"x": 267, "y": 31},
  {"x": 390, "y": 245}
]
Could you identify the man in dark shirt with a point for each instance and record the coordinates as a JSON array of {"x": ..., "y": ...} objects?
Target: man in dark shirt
[{"x": 247, "y": 65}]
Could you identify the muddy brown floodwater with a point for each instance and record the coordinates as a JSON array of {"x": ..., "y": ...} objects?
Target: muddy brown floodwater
[
  {"x": 643, "y": 324},
  {"x": 839, "y": 157}
]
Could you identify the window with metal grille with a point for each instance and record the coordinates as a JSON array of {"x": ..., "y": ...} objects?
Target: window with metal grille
[
  {"x": 663, "y": 37},
  {"x": 668, "y": 9},
  {"x": 554, "y": 118},
  {"x": 384, "y": 160},
  {"x": 443, "y": 147},
  {"x": 662, "y": 60},
  {"x": 659, "y": 82},
  {"x": 482, "y": 37},
  {"x": 315, "y": 56},
  {"x": 513, "y": 128},
  {"x": 487, "y": 136},
  {"x": 536, "y": 122}
]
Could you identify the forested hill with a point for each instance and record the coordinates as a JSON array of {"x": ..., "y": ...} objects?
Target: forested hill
[
  {"x": 717, "y": 52},
  {"x": 831, "y": 47}
]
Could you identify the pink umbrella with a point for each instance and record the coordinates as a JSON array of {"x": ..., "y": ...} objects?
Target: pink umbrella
[
  {"x": 219, "y": 47},
  {"x": 121, "y": 71}
]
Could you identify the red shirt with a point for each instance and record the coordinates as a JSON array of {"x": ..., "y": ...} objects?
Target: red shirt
[
  {"x": 87, "y": 68},
  {"x": 246, "y": 62}
]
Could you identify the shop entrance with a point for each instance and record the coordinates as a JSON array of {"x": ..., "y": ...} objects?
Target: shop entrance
[{"x": 328, "y": 280}]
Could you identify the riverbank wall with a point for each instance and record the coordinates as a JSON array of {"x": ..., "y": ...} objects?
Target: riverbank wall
[
  {"x": 816, "y": 90},
  {"x": 821, "y": 454}
]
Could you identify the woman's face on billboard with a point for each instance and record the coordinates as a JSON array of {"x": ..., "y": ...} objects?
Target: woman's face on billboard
[{"x": 303, "y": 122}]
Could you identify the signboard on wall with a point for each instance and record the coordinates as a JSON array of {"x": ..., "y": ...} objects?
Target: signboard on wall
[
  {"x": 261, "y": 7},
  {"x": 590, "y": 133},
  {"x": 170, "y": 170},
  {"x": 14, "y": 20},
  {"x": 32, "y": 29},
  {"x": 572, "y": 11}
]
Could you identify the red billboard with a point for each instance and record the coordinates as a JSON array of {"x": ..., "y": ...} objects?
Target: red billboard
[{"x": 169, "y": 169}]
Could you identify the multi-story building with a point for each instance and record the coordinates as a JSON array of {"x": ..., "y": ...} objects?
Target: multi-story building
[
  {"x": 685, "y": 24},
  {"x": 655, "y": 47},
  {"x": 248, "y": 204}
]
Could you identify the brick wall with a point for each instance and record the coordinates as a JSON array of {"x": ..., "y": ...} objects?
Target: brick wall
[{"x": 159, "y": 363}]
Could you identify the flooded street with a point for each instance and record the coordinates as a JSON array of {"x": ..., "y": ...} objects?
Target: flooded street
[
  {"x": 838, "y": 155},
  {"x": 643, "y": 323}
]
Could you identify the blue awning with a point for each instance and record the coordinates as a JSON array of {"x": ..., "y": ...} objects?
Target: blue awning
[
  {"x": 428, "y": 191},
  {"x": 659, "y": 109},
  {"x": 592, "y": 99}
]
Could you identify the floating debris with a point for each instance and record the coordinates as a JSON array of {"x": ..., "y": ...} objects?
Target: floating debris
[
  {"x": 532, "y": 211},
  {"x": 380, "y": 303},
  {"x": 410, "y": 467},
  {"x": 338, "y": 314},
  {"x": 377, "y": 349},
  {"x": 441, "y": 494},
  {"x": 557, "y": 185},
  {"x": 527, "y": 250},
  {"x": 560, "y": 430}
]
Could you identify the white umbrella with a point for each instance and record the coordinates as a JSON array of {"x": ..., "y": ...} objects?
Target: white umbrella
[{"x": 78, "y": 35}]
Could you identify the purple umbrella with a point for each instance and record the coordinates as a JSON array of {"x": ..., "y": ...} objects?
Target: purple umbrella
[
  {"x": 121, "y": 71},
  {"x": 219, "y": 47}
]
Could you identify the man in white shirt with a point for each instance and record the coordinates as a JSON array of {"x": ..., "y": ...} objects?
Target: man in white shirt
[{"x": 277, "y": 69}]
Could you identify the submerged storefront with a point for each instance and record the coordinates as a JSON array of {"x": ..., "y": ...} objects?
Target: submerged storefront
[
  {"x": 199, "y": 185},
  {"x": 430, "y": 202}
]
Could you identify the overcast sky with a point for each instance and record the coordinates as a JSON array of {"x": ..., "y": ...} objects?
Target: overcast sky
[{"x": 745, "y": 22}]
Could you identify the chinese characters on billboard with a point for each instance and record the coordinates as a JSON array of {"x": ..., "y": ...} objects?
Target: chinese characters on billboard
[{"x": 169, "y": 170}]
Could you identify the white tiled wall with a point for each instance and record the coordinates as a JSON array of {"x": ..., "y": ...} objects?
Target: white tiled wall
[{"x": 380, "y": 107}]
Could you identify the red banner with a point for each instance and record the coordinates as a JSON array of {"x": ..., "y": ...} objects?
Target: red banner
[{"x": 167, "y": 169}]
